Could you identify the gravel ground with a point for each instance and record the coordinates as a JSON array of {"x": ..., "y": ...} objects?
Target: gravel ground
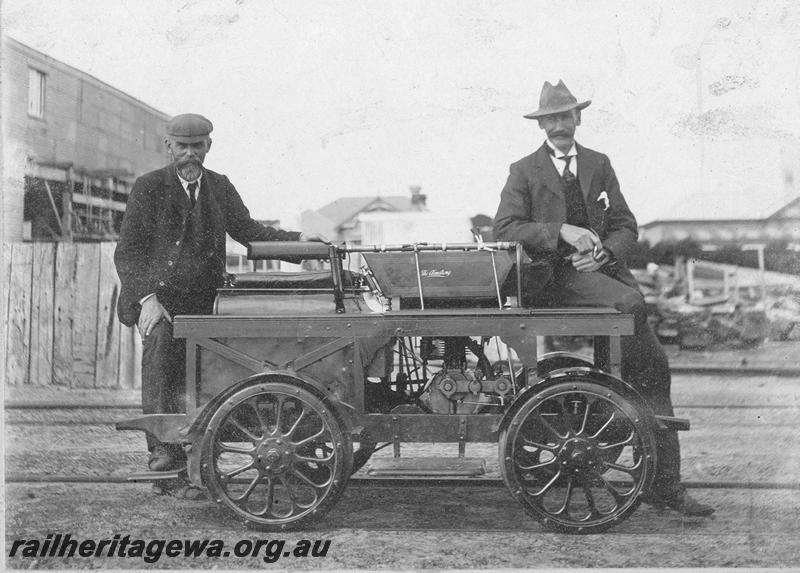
[
  {"x": 415, "y": 528},
  {"x": 435, "y": 527}
]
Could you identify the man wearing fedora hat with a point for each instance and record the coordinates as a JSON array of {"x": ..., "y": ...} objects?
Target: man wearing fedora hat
[
  {"x": 171, "y": 258},
  {"x": 563, "y": 203}
]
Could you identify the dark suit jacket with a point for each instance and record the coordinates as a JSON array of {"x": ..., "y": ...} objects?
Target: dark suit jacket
[
  {"x": 532, "y": 210},
  {"x": 154, "y": 228}
]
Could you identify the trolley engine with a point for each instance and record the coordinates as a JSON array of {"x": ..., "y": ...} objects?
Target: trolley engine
[{"x": 461, "y": 386}]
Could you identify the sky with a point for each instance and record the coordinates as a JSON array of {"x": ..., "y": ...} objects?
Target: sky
[{"x": 696, "y": 103}]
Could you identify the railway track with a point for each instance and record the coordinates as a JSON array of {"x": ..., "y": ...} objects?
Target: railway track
[
  {"x": 25, "y": 416},
  {"x": 366, "y": 481}
]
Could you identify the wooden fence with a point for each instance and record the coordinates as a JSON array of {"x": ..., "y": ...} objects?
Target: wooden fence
[{"x": 61, "y": 324}]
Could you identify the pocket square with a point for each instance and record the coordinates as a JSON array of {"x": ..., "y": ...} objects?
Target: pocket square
[{"x": 604, "y": 198}]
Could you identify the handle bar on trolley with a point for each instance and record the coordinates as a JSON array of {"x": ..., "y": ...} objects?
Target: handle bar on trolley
[{"x": 323, "y": 251}]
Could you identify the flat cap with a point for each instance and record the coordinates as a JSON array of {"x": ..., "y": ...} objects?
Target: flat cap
[{"x": 189, "y": 127}]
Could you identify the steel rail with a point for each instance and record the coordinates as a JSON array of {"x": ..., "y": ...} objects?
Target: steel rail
[
  {"x": 367, "y": 481},
  {"x": 56, "y": 406},
  {"x": 61, "y": 406},
  {"x": 736, "y": 372}
]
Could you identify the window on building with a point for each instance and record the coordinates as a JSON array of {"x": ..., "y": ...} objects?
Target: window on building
[
  {"x": 233, "y": 263},
  {"x": 36, "y": 86},
  {"x": 262, "y": 266}
]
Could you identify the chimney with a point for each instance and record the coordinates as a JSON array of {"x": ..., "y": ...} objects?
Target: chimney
[{"x": 417, "y": 199}]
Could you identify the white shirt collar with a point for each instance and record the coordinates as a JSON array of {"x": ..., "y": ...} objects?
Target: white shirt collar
[
  {"x": 558, "y": 154},
  {"x": 185, "y": 183}
]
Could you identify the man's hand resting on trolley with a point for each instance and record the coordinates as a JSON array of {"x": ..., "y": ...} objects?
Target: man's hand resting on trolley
[{"x": 152, "y": 310}]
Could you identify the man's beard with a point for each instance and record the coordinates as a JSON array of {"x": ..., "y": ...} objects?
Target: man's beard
[{"x": 189, "y": 169}]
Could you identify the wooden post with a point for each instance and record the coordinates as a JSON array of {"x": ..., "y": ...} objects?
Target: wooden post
[
  {"x": 107, "y": 373},
  {"x": 54, "y": 208},
  {"x": 18, "y": 321},
  {"x": 84, "y": 325},
  {"x": 690, "y": 279},
  {"x": 759, "y": 248},
  {"x": 66, "y": 207},
  {"x": 726, "y": 286},
  {"x": 5, "y": 289},
  {"x": 65, "y": 293},
  {"x": 761, "y": 275},
  {"x": 42, "y": 314}
]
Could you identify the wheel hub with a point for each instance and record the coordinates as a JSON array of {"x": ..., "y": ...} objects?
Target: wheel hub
[
  {"x": 578, "y": 456},
  {"x": 273, "y": 455}
]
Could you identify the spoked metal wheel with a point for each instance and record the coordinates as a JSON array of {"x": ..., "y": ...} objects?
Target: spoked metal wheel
[
  {"x": 578, "y": 456},
  {"x": 276, "y": 455}
]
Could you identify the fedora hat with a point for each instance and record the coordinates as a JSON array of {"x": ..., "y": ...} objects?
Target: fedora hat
[{"x": 556, "y": 99}]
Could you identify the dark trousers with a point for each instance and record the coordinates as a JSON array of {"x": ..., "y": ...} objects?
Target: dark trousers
[
  {"x": 163, "y": 374},
  {"x": 644, "y": 363}
]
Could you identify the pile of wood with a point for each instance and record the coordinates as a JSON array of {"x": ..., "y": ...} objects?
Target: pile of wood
[
  {"x": 703, "y": 319},
  {"x": 784, "y": 317},
  {"x": 701, "y": 326}
]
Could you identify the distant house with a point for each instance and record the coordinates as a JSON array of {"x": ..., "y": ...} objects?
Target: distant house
[
  {"x": 339, "y": 220},
  {"x": 728, "y": 223},
  {"x": 384, "y": 228},
  {"x": 72, "y": 147}
]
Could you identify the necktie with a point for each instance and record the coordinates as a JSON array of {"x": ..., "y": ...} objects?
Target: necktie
[
  {"x": 576, "y": 208},
  {"x": 568, "y": 176},
  {"x": 192, "y": 190}
]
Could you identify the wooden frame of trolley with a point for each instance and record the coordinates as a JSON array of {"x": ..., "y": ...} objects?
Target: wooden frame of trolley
[{"x": 293, "y": 370}]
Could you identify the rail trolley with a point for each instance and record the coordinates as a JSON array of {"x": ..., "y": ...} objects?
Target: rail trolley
[{"x": 297, "y": 378}]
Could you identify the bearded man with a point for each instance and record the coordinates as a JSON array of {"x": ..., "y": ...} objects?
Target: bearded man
[
  {"x": 563, "y": 203},
  {"x": 171, "y": 259}
]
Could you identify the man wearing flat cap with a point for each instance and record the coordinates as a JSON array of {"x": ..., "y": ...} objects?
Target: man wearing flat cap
[
  {"x": 171, "y": 258},
  {"x": 563, "y": 203}
]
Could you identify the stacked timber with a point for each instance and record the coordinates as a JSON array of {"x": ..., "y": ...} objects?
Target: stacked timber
[{"x": 717, "y": 315}]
